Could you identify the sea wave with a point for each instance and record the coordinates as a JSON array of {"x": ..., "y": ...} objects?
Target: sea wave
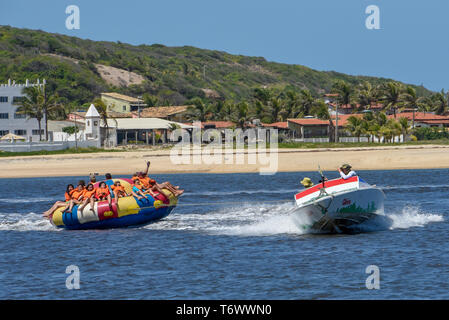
[
  {"x": 246, "y": 219},
  {"x": 29, "y": 200},
  {"x": 24, "y": 222},
  {"x": 407, "y": 217},
  {"x": 275, "y": 219}
]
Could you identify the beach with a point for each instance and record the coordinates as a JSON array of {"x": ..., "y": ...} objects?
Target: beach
[{"x": 286, "y": 160}]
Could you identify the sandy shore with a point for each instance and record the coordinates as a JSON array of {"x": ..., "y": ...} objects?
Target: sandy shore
[{"x": 125, "y": 163}]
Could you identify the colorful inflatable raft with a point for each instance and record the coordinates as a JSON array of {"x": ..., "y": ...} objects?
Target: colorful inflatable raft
[{"x": 130, "y": 211}]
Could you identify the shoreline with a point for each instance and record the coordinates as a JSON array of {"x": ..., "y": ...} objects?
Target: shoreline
[{"x": 288, "y": 160}]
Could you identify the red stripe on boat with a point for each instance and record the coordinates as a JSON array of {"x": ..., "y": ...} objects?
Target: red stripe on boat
[{"x": 327, "y": 184}]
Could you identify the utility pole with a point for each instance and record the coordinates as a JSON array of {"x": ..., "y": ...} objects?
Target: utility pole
[
  {"x": 413, "y": 120},
  {"x": 336, "y": 122},
  {"x": 76, "y": 139},
  {"x": 45, "y": 110}
]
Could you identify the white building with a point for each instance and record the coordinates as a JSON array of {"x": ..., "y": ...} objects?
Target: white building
[
  {"x": 92, "y": 124},
  {"x": 10, "y": 121},
  {"x": 88, "y": 130}
]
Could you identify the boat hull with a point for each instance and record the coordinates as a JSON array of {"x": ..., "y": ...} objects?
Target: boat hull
[{"x": 339, "y": 213}]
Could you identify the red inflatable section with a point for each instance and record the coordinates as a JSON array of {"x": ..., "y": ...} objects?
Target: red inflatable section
[
  {"x": 162, "y": 197},
  {"x": 104, "y": 211}
]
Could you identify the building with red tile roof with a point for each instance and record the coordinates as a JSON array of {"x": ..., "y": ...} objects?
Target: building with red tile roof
[
  {"x": 424, "y": 119},
  {"x": 276, "y": 125},
  {"x": 215, "y": 124}
]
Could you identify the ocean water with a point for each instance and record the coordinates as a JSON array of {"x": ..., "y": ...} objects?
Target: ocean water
[{"x": 231, "y": 237}]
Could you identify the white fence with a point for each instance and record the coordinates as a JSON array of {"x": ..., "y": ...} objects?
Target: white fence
[
  {"x": 349, "y": 139},
  {"x": 49, "y": 146}
]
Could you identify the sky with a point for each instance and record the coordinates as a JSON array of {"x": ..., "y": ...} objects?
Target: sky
[{"x": 411, "y": 45}]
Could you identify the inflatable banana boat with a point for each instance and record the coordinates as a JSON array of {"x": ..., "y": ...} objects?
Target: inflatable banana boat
[{"x": 130, "y": 211}]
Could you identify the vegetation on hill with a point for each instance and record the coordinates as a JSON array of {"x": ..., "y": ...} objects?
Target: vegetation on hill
[
  {"x": 217, "y": 85},
  {"x": 173, "y": 75}
]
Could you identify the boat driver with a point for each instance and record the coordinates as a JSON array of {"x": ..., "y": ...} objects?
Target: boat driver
[{"x": 346, "y": 171}]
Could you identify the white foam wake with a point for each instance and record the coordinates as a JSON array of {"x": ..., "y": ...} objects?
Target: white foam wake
[
  {"x": 266, "y": 220},
  {"x": 408, "y": 217},
  {"x": 246, "y": 220},
  {"x": 251, "y": 219},
  {"x": 25, "y": 222},
  {"x": 28, "y": 200},
  {"x": 220, "y": 193},
  {"x": 413, "y": 217}
]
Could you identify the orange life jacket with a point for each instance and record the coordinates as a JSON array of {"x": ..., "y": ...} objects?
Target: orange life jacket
[
  {"x": 76, "y": 194},
  {"x": 119, "y": 189},
  {"x": 88, "y": 194},
  {"x": 68, "y": 196},
  {"x": 146, "y": 182},
  {"x": 102, "y": 192}
]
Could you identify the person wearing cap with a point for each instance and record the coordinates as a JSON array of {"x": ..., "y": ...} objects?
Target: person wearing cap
[
  {"x": 307, "y": 183},
  {"x": 346, "y": 171}
]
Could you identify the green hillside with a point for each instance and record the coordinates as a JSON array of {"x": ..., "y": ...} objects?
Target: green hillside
[{"x": 172, "y": 74}]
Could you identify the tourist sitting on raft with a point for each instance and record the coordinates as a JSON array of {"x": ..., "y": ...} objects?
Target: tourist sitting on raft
[
  {"x": 88, "y": 197},
  {"x": 58, "y": 204},
  {"x": 77, "y": 195},
  {"x": 149, "y": 183},
  {"x": 103, "y": 193},
  {"x": 138, "y": 190},
  {"x": 119, "y": 190}
]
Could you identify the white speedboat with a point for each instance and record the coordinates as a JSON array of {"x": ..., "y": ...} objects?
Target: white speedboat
[{"x": 336, "y": 206}]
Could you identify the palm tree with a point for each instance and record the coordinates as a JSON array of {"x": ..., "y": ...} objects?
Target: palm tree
[
  {"x": 405, "y": 127},
  {"x": 258, "y": 110},
  {"x": 150, "y": 101},
  {"x": 356, "y": 126},
  {"x": 440, "y": 102},
  {"x": 263, "y": 95},
  {"x": 37, "y": 104},
  {"x": 227, "y": 111},
  {"x": 368, "y": 125},
  {"x": 395, "y": 128},
  {"x": 386, "y": 133},
  {"x": 392, "y": 96},
  {"x": 367, "y": 95},
  {"x": 51, "y": 106},
  {"x": 217, "y": 108},
  {"x": 378, "y": 121},
  {"x": 425, "y": 104},
  {"x": 321, "y": 111},
  {"x": 292, "y": 103},
  {"x": 33, "y": 105},
  {"x": 199, "y": 110},
  {"x": 241, "y": 116},
  {"x": 409, "y": 98},
  {"x": 390, "y": 130},
  {"x": 380, "y": 118},
  {"x": 344, "y": 91},
  {"x": 306, "y": 102},
  {"x": 275, "y": 107}
]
